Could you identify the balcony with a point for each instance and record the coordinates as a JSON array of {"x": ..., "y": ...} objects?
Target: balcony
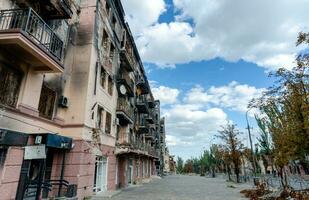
[
  {"x": 124, "y": 79},
  {"x": 50, "y": 9},
  {"x": 150, "y": 136},
  {"x": 126, "y": 144},
  {"x": 124, "y": 112},
  {"x": 151, "y": 104},
  {"x": 143, "y": 86},
  {"x": 151, "y": 151},
  {"x": 150, "y": 118},
  {"x": 143, "y": 126},
  {"x": 126, "y": 60},
  {"x": 142, "y": 104},
  {"x": 26, "y": 36}
]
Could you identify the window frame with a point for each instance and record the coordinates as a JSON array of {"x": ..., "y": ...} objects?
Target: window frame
[
  {"x": 53, "y": 104},
  {"x": 16, "y": 72},
  {"x": 110, "y": 85},
  {"x": 108, "y": 123},
  {"x": 103, "y": 75},
  {"x": 100, "y": 117}
]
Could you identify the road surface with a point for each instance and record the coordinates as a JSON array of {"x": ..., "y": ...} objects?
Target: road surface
[{"x": 184, "y": 188}]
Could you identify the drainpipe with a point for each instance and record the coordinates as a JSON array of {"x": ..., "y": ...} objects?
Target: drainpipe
[{"x": 62, "y": 174}]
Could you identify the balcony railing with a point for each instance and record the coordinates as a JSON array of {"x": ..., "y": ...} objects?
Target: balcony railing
[
  {"x": 143, "y": 86},
  {"x": 124, "y": 78},
  {"x": 32, "y": 25},
  {"x": 143, "y": 126},
  {"x": 142, "y": 104},
  {"x": 124, "y": 106}
]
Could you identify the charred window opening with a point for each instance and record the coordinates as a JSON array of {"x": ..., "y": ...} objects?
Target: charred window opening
[
  {"x": 123, "y": 41},
  {"x": 103, "y": 78},
  {"x": 105, "y": 41},
  {"x": 108, "y": 123},
  {"x": 10, "y": 84},
  {"x": 110, "y": 85},
  {"x": 112, "y": 53},
  {"x": 100, "y": 113},
  {"x": 107, "y": 8},
  {"x": 47, "y": 102},
  {"x": 114, "y": 22}
]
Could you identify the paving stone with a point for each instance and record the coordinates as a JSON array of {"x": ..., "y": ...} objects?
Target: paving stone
[{"x": 180, "y": 187}]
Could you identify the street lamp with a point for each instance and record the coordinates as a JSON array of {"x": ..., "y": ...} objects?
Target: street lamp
[{"x": 250, "y": 139}]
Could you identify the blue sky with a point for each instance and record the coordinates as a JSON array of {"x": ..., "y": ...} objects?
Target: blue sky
[{"x": 206, "y": 59}]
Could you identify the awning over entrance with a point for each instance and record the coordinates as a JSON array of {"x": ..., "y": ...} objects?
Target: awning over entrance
[
  {"x": 12, "y": 138},
  {"x": 52, "y": 140},
  {"x": 58, "y": 141}
]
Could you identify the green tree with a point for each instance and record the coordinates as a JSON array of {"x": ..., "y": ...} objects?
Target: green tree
[
  {"x": 179, "y": 165},
  {"x": 232, "y": 146},
  {"x": 265, "y": 143},
  {"x": 286, "y": 110},
  {"x": 188, "y": 167}
]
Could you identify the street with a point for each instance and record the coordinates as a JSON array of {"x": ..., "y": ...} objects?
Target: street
[{"x": 184, "y": 188}]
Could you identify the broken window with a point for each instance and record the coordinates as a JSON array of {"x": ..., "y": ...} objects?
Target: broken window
[
  {"x": 123, "y": 41},
  {"x": 112, "y": 53},
  {"x": 108, "y": 123},
  {"x": 10, "y": 84},
  {"x": 100, "y": 113},
  {"x": 105, "y": 41},
  {"x": 114, "y": 22},
  {"x": 103, "y": 78},
  {"x": 110, "y": 85},
  {"x": 107, "y": 8},
  {"x": 47, "y": 102}
]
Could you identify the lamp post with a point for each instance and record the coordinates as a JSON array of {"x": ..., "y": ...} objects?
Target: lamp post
[{"x": 251, "y": 146}]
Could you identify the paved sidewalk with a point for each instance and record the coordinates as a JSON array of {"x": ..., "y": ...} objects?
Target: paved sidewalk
[{"x": 184, "y": 188}]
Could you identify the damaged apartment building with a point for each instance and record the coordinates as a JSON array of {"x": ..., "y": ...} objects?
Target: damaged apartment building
[{"x": 77, "y": 115}]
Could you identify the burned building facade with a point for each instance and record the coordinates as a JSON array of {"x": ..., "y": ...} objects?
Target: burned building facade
[{"x": 77, "y": 116}]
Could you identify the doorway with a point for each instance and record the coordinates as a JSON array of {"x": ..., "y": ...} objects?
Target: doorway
[
  {"x": 130, "y": 171},
  {"x": 100, "y": 174}
]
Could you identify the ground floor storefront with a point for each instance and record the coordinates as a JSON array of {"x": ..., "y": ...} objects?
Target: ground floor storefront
[
  {"x": 36, "y": 166},
  {"x": 134, "y": 168}
]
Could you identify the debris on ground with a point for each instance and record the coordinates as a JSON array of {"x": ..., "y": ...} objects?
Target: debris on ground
[
  {"x": 231, "y": 186},
  {"x": 256, "y": 193},
  {"x": 261, "y": 193}
]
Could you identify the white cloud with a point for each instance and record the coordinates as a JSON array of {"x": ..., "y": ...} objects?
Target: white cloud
[
  {"x": 187, "y": 125},
  {"x": 166, "y": 95},
  {"x": 141, "y": 14},
  {"x": 197, "y": 116},
  {"x": 233, "y": 96},
  {"x": 259, "y": 31},
  {"x": 167, "y": 44}
]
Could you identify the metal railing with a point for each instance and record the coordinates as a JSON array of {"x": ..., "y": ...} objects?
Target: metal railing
[
  {"x": 143, "y": 122},
  {"x": 142, "y": 100},
  {"x": 127, "y": 79},
  {"x": 124, "y": 106},
  {"x": 29, "y": 22}
]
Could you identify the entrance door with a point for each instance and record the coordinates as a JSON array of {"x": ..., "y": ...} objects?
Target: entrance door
[
  {"x": 30, "y": 179},
  {"x": 100, "y": 179},
  {"x": 130, "y": 171}
]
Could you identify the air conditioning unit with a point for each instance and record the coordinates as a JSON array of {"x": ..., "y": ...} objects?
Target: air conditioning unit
[
  {"x": 63, "y": 102},
  {"x": 117, "y": 121}
]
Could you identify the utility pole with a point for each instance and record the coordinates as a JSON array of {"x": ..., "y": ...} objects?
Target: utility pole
[{"x": 250, "y": 139}]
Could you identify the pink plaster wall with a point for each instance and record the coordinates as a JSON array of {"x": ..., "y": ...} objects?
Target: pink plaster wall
[{"x": 10, "y": 173}]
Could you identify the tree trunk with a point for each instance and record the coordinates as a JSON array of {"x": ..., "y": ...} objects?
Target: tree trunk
[
  {"x": 213, "y": 172},
  {"x": 283, "y": 178},
  {"x": 229, "y": 172}
]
